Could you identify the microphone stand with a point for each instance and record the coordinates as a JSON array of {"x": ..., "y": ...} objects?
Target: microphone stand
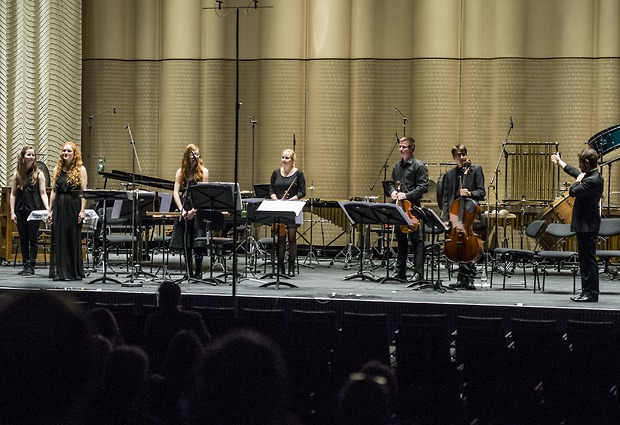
[
  {"x": 237, "y": 107},
  {"x": 502, "y": 153},
  {"x": 404, "y": 121},
  {"x": 254, "y": 123},
  {"x": 186, "y": 248},
  {"x": 89, "y": 121},
  {"x": 135, "y": 251},
  {"x": 383, "y": 170}
]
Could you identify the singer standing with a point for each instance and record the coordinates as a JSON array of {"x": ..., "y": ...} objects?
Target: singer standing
[
  {"x": 464, "y": 180},
  {"x": 586, "y": 220},
  {"x": 288, "y": 182},
  {"x": 191, "y": 223},
  {"x": 27, "y": 194},
  {"x": 412, "y": 175},
  {"x": 66, "y": 214}
]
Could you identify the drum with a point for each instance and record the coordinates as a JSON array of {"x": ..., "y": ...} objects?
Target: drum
[
  {"x": 606, "y": 141},
  {"x": 439, "y": 190},
  {"x": 560, "y": 211}
]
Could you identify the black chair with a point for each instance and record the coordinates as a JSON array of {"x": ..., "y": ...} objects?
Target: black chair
[
  {"x": 591, "y": 380},
  {"x": 538, "y": 360},
  {"x": 425, "y": 370},
  {"x": 269, "y": 322},
  {"x": 558, "y": 258},
  {"x": 509, "y": 258},
  {"x": 218, "y": 244},
  {"x": 218, "y": 320},
  {"x": 610, "y": 227},
  {"x": 482, "y": 357},
  {"x": 361, "y": 338},
  {"x": 119, "y": 234},
  {"x": 310, "y": 346}
]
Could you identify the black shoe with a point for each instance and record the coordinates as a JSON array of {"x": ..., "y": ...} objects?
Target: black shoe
[
  {"x": 578, "y": 296},
  {"x": 400, "y": 276},
  {"x": 470, "y": 286},
  {"x": 21, "y": 272},
  {"x": 56, "y": 278},
  {"x": 586, "y": 298},
  {"x": 460, "y": 284}
]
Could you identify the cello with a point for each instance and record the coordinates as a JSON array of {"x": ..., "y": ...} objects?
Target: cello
[
  {"x": 406, "y": 206},
  {"x": 463, "y": 245}
]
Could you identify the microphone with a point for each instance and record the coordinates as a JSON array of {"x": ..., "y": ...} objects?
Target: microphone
[
  {"x": 127, "y": 126},
  {"x": 114, "y": 110},
  {"x": 194, "y": 155},
  {"x": 511, "y": 123},
  {"x": 398, "y": 110}
]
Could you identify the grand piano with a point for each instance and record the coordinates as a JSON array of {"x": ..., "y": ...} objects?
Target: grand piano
[{"x": 139, "y": 179}]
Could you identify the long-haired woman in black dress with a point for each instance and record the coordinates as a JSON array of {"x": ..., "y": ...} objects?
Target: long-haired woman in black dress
[
  {"x": 66, "y": 214},
  {"x": 27, "y": 194}
]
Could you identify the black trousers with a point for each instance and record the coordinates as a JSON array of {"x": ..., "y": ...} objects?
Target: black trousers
[
  {"x": 586, "y": 248},
  {"x": 403, "y": 250},
  {"x": 28, "y": 237}
]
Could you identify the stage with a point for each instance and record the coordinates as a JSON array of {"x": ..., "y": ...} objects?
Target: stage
[{"x": 321, "y": 285}]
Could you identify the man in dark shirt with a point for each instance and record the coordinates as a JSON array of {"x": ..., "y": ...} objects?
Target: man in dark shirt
[
  {"x": 163, "y": 325},
  {"x": 465, "y": 181},
  {"x": 409, "y": 182},
  {"x": 586, "y": 220}
]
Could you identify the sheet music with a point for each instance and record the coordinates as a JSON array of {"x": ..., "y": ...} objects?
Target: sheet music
[{"x": 279, "y": 205}]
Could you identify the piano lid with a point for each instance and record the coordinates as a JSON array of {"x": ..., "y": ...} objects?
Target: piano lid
[{"x": 139, "y": 179}]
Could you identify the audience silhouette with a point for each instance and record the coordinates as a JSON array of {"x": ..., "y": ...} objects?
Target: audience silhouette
[
  {"x": 244, "y": 380},
  {"x": 162, "y": 325},
  {"x": 43, "y": 360}
]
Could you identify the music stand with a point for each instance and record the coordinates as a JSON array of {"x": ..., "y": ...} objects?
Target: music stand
[
  {"x": 214, "y": 197},
  {"x": 262, "y": 190},
  {"x": 278, "y": 212},
  {"x": 251, "y": 246},
  {"x": 428, "y": 216},
  {"x": 363, "y": 213},
  {"x": 141, "y": 201},
  {"x": 393, "y": 215},
  {"x": 104, "y": 195}
]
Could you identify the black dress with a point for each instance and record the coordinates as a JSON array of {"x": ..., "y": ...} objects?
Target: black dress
[
  {"x": 196, "y": 228},
  {"x": 66, "y": 247}
]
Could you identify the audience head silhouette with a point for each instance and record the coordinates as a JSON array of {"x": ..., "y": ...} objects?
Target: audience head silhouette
[
  {"x": 364, "y": 399},
  {"x": 43, "y": 360},
  {"x": 101, "y": 321},
  {"x": 169, "y": 295},
  {"x": 244, "y": 381}
]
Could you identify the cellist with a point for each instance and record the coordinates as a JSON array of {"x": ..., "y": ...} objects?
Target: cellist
[
  {"x": 464, "y": 180},
  {"x": 413, "y": 177}
]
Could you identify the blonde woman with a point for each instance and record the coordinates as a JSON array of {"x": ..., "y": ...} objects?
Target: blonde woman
[
  {"x": 66, "y": 213},
  {"x": 27, "y": 194},
  {"x": 288, "y": 182},
  {"x": 191, "y": 224}
]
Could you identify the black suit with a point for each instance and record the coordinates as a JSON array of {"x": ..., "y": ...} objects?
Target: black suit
[
  {"x": 473, "y": 181},
  {"x": 586, "y": 222},
  {"x": 413, "y": 178}
]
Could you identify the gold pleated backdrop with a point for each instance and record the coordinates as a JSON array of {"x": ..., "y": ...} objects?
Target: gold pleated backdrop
[{"x": 327, "y": 75}]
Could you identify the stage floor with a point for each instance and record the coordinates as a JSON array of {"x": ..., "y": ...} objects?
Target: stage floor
[{"x": 324, "y": 281}]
